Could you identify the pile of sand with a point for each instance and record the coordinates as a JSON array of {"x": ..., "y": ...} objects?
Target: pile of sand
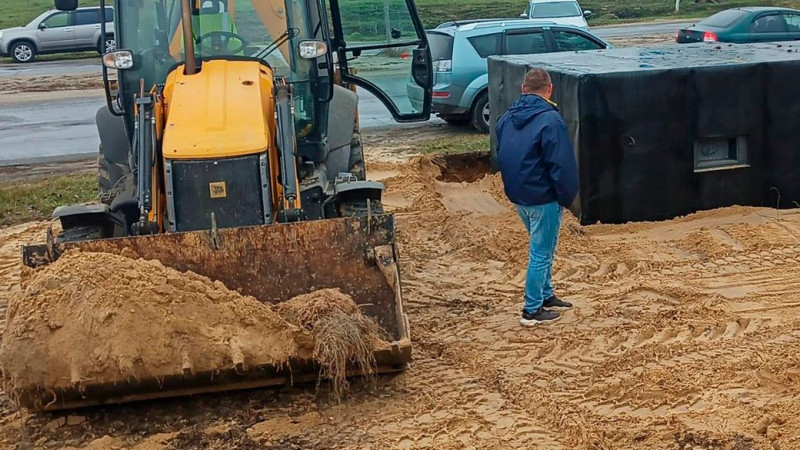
[{"x": 95, "y": 318}]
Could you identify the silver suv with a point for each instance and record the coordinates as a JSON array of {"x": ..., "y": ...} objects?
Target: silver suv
[{"x": 58, "y": 32}]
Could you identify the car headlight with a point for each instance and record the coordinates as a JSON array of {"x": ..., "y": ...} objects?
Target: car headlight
[{"x": 1, "y": 35}]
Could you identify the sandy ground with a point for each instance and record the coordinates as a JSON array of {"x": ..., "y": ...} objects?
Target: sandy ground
[{"x": 685, "y": 335}]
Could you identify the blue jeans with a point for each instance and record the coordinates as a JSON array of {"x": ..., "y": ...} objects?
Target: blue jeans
[{"x": 543, "y": 223}]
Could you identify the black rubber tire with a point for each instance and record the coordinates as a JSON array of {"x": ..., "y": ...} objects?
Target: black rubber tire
[
  {"x": 478, "y": 120},
  {"x": 358, "y": 208},
  {"x": 356, "y": 163},
  {"x": 13, "y": 51},
  {"x": 102, "y": 48},
  {"x": 84, "y": 233},
  {"x": 108, "y": 172},
  {"x": 457, "y": 121},
  {"x": 103, "y": 178}
]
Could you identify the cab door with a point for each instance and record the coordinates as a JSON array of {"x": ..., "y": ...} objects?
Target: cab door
[
  {"x": 382, "y": 47},
  {"x": 87, "y": 27}
]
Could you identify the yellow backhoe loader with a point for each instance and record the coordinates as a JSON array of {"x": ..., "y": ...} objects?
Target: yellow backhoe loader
[{"x": 230, "y": 147}]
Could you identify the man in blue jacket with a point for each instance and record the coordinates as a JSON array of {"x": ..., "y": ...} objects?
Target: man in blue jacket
[{"x": 540, "y": 175}]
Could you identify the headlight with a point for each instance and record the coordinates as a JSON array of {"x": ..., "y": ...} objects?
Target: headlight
[
  {"x": 312, "y": 49},
  {"x": 1, "y": 35},
  {"x": 120, "y": 59}
]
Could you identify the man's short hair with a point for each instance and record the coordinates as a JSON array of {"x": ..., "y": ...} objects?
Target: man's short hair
[{"x": 536, "y": 80}]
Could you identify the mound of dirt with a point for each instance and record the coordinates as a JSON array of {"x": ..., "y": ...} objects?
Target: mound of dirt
[
  {"x": 50, "y": 83},
  {"x": 95, "y": 318}
]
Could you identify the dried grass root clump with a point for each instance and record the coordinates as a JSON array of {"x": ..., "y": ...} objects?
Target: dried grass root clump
[{"x": 342, "y": 335}]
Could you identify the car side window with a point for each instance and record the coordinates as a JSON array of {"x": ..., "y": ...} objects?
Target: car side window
[
  {"x": 109, "y": 15},
  {"x": 569, "y": 41},
  {"x": 57, "y": 20},
  {"x": 525, "y": 43},
  {"x": 773, "y": 23},
  {"x": 486, "y": 45},
  {"x": 792, "y": 22},
  {"x": 87, "y": 17}
]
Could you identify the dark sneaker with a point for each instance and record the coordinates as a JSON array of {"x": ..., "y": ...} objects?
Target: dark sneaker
[
  {"x": 556, "y": 303},
  {"x": 540, "y": 316}
]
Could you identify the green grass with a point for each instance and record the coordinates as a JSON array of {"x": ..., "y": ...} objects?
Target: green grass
[
  {"x": 455, "y": 144},
  {"x": 17, "y": 13},
  {"x": 604, "y": 12},
  {"x": 369, "y": 13},
  {"x": 367, "y": 16},
  {"x": 24, "y": 202}
]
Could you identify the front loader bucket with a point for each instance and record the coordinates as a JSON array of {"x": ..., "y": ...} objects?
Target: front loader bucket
[{"x": 272, "y": 263}]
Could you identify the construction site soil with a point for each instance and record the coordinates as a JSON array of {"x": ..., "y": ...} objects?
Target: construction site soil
[
  {"x": 104, "y": 319},
  {"x": 685, "y": 335}
]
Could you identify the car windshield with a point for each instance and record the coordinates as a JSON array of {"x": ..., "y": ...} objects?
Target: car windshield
[
  {"x": 555, "y": 9},
  {"x": 724, "y": 19}
]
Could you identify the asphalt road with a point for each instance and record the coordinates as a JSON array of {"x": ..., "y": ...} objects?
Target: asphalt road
[
  {"x": 63, "y": 67},
  {"x": 63, "y": 128},
  {"x": 42, "y": 130},
  {"x": 641, "y": 29}
]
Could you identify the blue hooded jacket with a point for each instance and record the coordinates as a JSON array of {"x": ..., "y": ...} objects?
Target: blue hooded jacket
[{"x": 535, "y": 154}]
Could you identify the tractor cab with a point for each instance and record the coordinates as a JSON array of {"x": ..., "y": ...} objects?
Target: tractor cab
[{"x": 312, "y": 44}]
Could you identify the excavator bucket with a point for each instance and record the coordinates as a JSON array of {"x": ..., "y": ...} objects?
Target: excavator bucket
[{"x": 272, "y": 263}]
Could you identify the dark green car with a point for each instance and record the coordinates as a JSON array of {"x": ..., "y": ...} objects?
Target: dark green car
[{"x": 743, "y": 25}]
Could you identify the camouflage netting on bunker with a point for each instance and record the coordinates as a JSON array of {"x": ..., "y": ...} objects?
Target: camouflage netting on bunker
[{"x": 665, "y": 131}]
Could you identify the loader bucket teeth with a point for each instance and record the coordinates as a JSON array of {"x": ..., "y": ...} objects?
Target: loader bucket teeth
[{"x": 272, "y": 263}]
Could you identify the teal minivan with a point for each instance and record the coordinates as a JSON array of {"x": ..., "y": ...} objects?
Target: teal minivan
[{"x": 459, "y": 51}]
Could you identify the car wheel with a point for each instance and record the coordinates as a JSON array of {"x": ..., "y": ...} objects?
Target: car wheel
[
  {"x": 109, "y": 46},
  {"x": 480, "y": 113},
  {"x": 22, "y": 52}
]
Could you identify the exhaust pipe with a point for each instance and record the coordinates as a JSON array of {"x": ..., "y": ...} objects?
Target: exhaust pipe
[{"x": 190, "y": 67}]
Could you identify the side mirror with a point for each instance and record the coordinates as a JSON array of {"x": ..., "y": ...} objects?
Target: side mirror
[
  {"x": 523, "y": 16},
  {"x": 396, "y": 33},
  {"x": 66, "y": 5},
  {"x": 119, "y": 59},
  {"x": 587, "y": 14},
  {"x": 312, "y": 49},
  {"x": 42, "y": 26}
]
